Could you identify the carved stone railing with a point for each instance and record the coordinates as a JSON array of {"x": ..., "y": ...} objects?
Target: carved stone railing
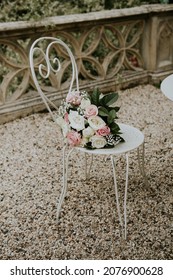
[{"x": 113, "y": 49}]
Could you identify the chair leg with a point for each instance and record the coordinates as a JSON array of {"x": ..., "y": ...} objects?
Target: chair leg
[
  {"x": 116, "y": 190},
  {"x": 123, "y": 225},
  {"x": 141, "y": 161},
  {"x": 125, "y": 196},
  {"x": 88, "y": 168},
  {"x": 65, "y": 179}
]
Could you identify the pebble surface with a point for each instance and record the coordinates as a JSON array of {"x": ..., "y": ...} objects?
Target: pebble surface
[{"x": 31, "y": 180}]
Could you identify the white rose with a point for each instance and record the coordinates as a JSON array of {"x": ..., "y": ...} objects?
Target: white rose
[
  {"x": 98, "y": 141},
  {"x": 63, "y": 125},
  {"x": 96, "y": 122},
  {"x": 85, "y": 103},
  {"x": 76, "y": 121},
  {"x": 88, "y": 132},
  {"x": 84, "y": 141}
]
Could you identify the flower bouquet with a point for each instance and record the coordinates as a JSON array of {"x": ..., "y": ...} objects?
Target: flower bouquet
[{"x": 89, "y": 120}]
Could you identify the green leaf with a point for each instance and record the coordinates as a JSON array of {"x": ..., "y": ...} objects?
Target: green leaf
[
  {"x": 111, "y": 116},
  {"x": 103, "y": 112},
  {"x": 109, "y": 99},
  {"x": 116, "y": 108},
  {"x": 114, "y": 128},
  {"x": 95, "y": 97},
  {"x": 114, "y": 98}
]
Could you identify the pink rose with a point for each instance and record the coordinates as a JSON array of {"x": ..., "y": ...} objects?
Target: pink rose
[
  {"x": 74, "y": 98},
  {"x": 104, "y": 131},
  {"x": 91, "y": 111},
  {"x": 73, "y": 138},
  {"x": 66, "y": 117}
]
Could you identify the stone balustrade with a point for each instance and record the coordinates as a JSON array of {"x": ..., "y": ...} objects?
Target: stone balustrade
[{"x": 113, "y": 49}]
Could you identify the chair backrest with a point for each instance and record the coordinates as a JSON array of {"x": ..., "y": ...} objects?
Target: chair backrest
[{"x": 43, "y": 64}]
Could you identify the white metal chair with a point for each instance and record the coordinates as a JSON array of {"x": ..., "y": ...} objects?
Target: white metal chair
[{"x": 134, "y": 139}]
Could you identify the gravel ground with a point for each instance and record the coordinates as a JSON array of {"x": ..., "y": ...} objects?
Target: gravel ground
[{"x": 31, "y": 178}]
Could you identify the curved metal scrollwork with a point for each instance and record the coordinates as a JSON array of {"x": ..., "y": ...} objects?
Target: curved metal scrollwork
[{"x": 48, "y": 67}]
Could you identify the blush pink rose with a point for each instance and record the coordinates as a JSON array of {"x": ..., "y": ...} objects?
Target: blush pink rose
[
  {"x": 91, "y": 111},
  {"x": 66, "y": 117},
  {"x": 74, "y": 98},
  {"x": 104, "y": 131},
  {"x": 73, "y": 138}
]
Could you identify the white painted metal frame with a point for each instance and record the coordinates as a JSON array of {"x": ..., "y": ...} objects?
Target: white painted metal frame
[
  {"x": 49, "y": 67},
  {"x": 134, "y": 139}
]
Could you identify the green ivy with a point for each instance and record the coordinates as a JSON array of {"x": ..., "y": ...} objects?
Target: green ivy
[{"x": 17, "y": 10}]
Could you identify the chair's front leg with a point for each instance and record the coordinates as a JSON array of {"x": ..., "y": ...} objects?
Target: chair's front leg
[
  {"x": 88, "y": 168},
  {"x": 123, "y": 224},
  {"x": 65, "y": 179},
  {"x": 116, "y": 190}
]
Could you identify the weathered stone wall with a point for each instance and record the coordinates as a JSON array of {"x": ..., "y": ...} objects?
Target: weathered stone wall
[{"x": 113, "y": 49}]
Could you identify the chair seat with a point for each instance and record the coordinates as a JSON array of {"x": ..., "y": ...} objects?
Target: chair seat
[{"x": 133, "y": 139}]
